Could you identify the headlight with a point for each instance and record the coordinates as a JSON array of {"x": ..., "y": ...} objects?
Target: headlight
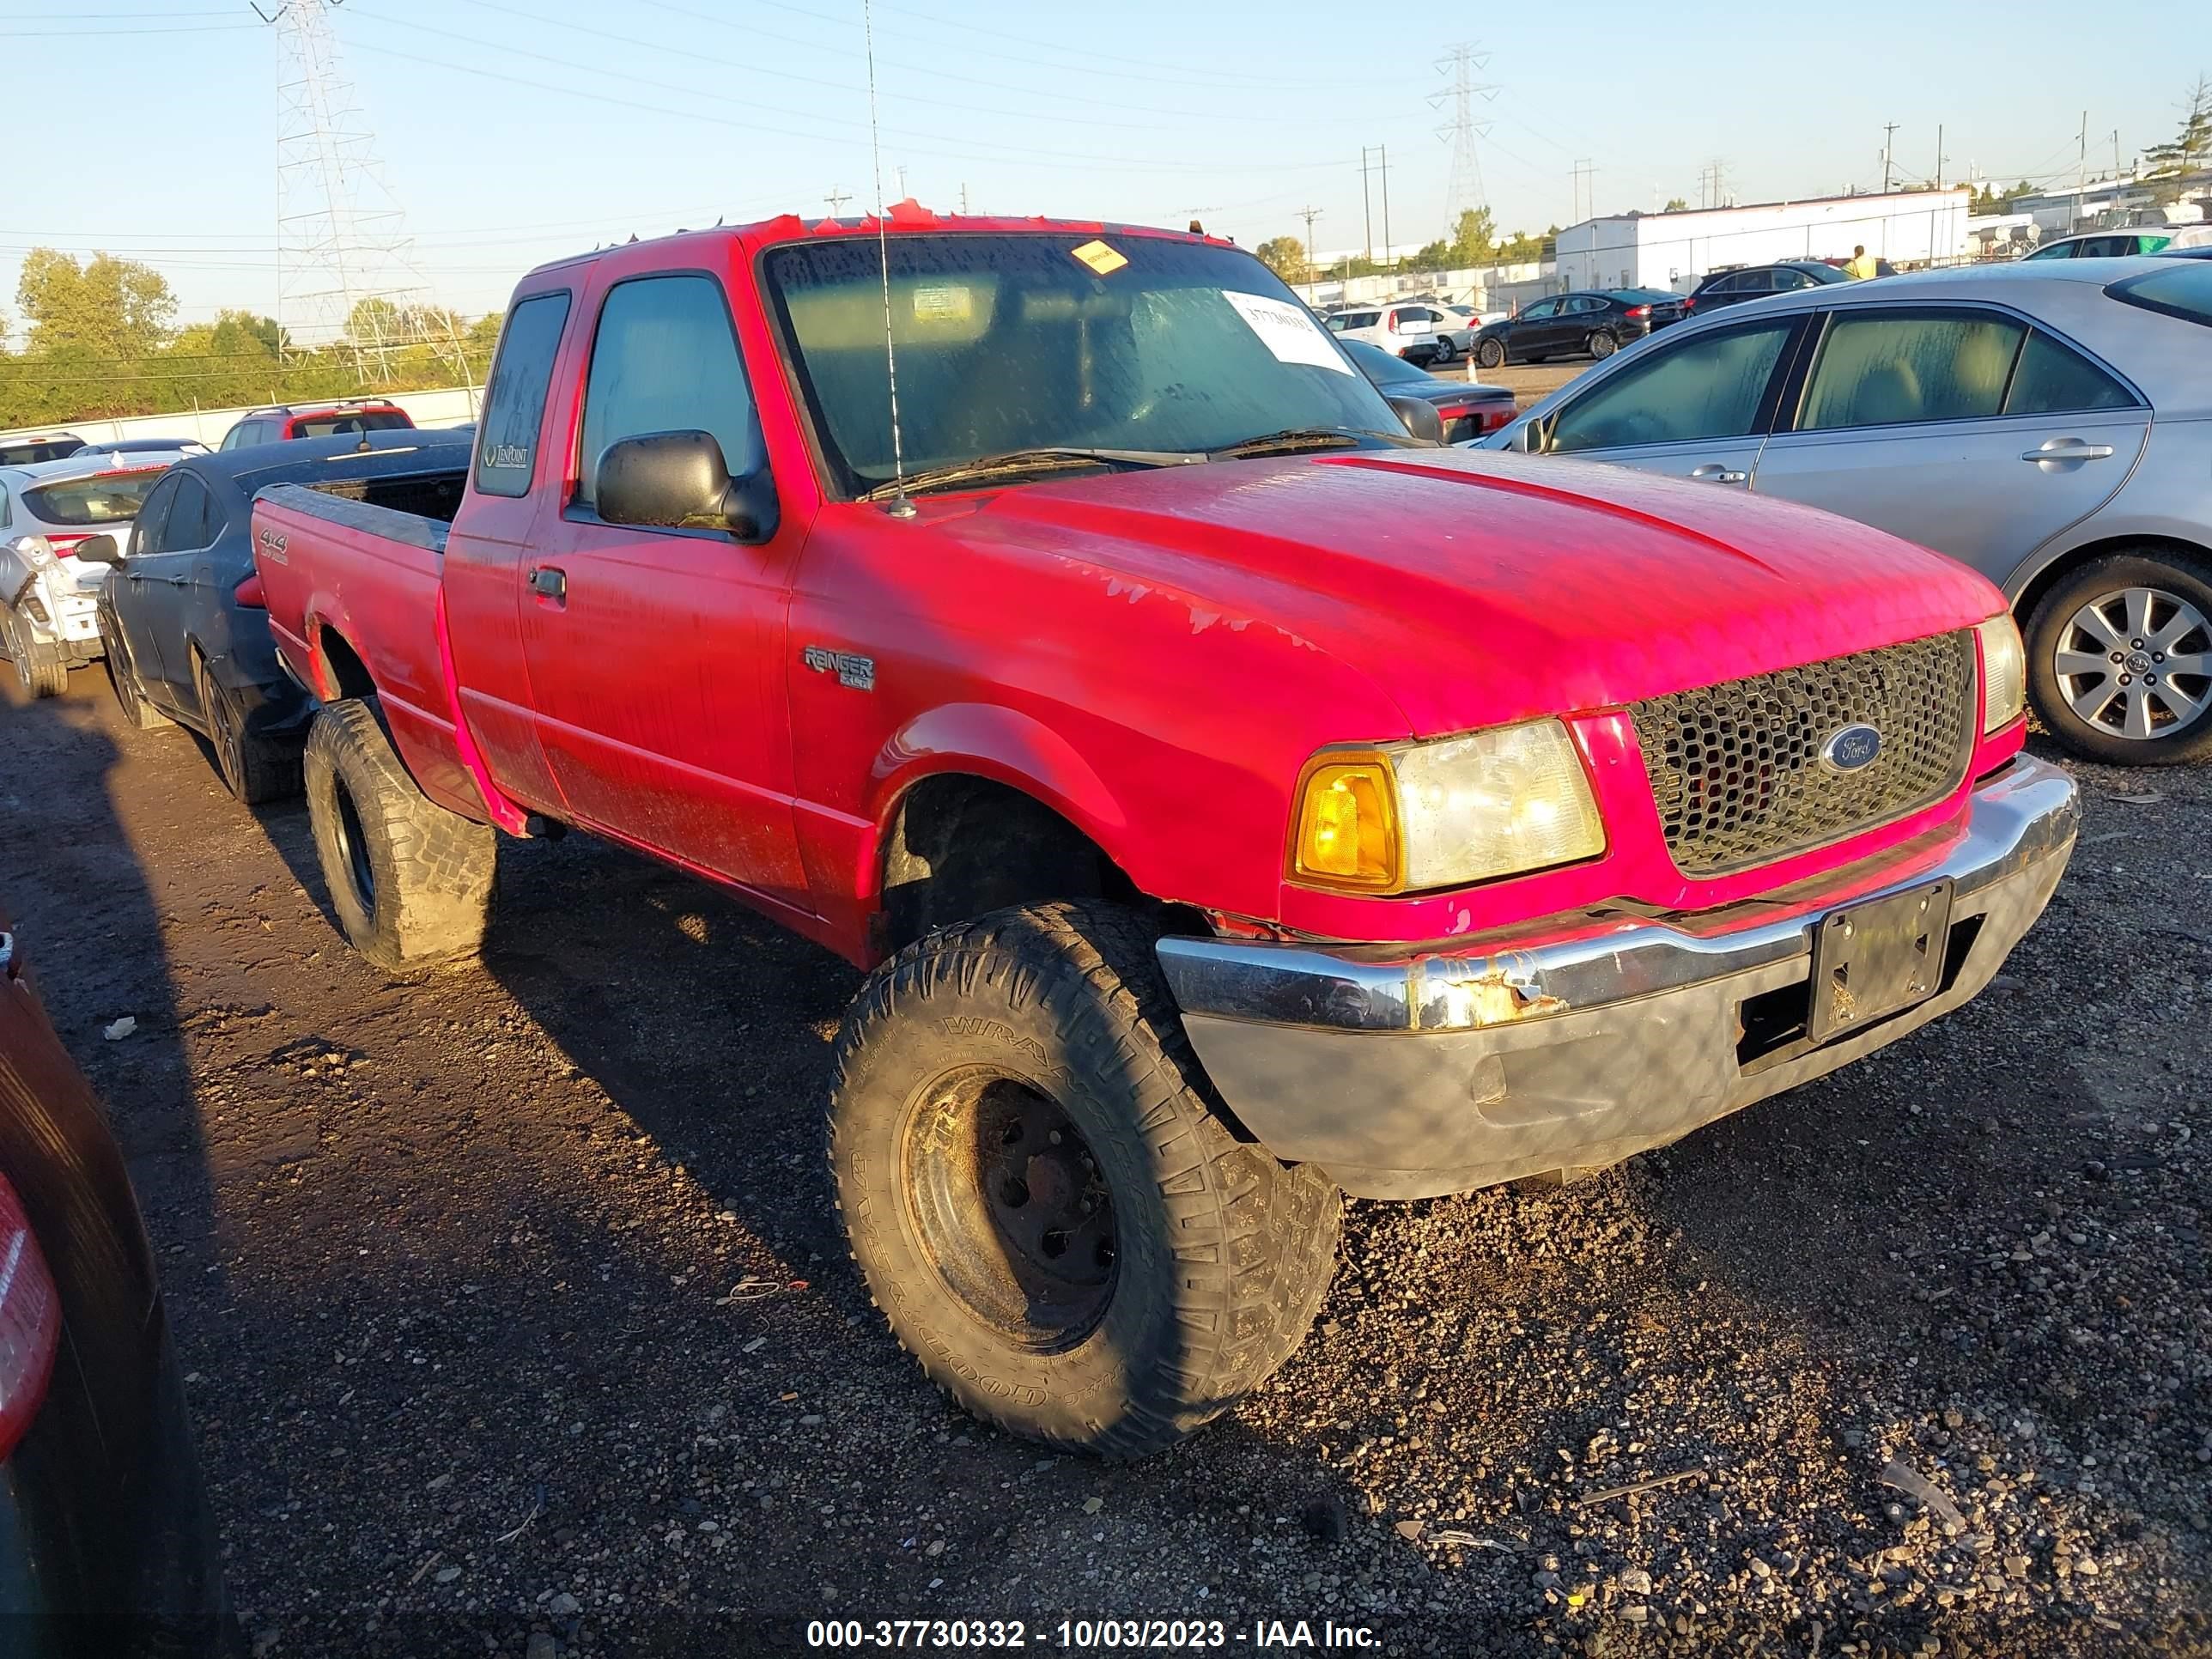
[
  {"x": 2004, "y": 672},
  {"x": 1412, "y": 817}
]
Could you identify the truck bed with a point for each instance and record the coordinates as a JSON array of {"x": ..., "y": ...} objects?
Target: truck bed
[{"x": 349, "y": 569}]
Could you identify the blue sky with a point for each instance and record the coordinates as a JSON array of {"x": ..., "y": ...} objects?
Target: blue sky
[{"x": 513, "y": 130}]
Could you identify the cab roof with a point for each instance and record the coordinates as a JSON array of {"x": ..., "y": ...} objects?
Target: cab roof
[{"x": 903, "y": 218}]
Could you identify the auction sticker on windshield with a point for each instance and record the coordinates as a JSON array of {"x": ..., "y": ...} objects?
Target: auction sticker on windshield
[
  {"x": 1101, "y": 257},
  {"x": 1287, "y": 330}
]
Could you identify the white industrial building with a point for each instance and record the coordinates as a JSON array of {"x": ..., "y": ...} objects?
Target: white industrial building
[{"x": 1673, "y": 250}]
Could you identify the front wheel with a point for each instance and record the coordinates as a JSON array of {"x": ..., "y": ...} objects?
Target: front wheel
[
  {"x": 2119, "y": 659},
  {"x": 1491, "y": 355},
  {"x": 1040, "y": 1198},
  {"x": 410, "y": 882},
  {"x": 1601, "y": 344}
]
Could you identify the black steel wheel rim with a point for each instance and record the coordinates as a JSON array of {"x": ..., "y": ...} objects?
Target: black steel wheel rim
[
  {"x": 1011, "y": 1208},
  {"x": 353, "y": 846},
  {"x": 229, "y": 744}
]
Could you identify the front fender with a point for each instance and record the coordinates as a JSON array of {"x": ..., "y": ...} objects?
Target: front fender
[{"x": 1007, "y": 746}]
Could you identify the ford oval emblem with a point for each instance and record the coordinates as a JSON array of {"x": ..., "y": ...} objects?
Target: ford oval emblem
[{"x": 1851, "y": 748}]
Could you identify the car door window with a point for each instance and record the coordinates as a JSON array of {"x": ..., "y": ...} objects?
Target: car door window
[
  {"x": 187, "y": 525},
  {"x": 1786, "y": 280},
  {"x": 6, "y": 512},
  {"x": 1890, "y": 370},
  {"x": 1708, "y": 388},
  {"x": 2054, "y": 378},
  {"x": 1538, "y": 311},
  {"x": 146, "y": 534},
  {"x": 665, "y": 360}
]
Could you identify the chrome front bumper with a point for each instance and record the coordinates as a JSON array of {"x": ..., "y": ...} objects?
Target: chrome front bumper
[{"x": 1581, "y": 1040}]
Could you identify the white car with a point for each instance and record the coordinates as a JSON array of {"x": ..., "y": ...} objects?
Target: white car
[
  {"x": 1407, "y": 330},
  {"x": 1457, "y": 331},
  {"x": 48, "y": 512}
]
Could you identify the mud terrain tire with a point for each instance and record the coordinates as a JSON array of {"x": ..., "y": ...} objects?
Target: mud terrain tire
[
  {"x": 410, "y": 881},
  {"x": 1032, "y": 1064}
]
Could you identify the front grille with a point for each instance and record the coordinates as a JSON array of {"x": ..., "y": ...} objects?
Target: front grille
[{"x": 1735, "y": 768}]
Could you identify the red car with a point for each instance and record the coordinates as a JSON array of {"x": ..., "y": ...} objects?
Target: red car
[
  {"x": 278, "y": 423},
  {"x": 1235, "y": 801},
  {"x": 106, "y": 1543}
]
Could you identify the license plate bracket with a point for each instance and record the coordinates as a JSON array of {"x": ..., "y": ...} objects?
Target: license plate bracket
[{"x": 1871, "y": 960}]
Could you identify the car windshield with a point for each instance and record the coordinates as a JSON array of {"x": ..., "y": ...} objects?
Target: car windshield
[
  {"x": 326, "y": 426},
  {"x": 1644, "y": 296},
  {"x": 1821, "y": 273},
  {"x": 1012, "y": 343},
  {"x": 104, "y": 498},
  {"x": 31, "y": 452}
]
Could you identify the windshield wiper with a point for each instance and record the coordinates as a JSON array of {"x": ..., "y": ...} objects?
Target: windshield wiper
[
  {"x": 1298, "y": 437},
  {"x": 1046, "y": 457}
]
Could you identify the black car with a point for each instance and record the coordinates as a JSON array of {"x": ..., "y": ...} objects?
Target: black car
[
  {"x": 1592, "y": 323},
  {"x": 1467, "y": 409},
  {"x": 107, "y": 1545},
  {"x": 180, "y": 615},
  {"x": 1729, "y": 288}
]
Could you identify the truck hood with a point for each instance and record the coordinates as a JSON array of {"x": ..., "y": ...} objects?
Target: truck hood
[{"x": 1476, "y": 588}]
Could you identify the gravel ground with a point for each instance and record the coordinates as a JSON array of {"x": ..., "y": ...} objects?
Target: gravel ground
[{"x": 517, "y": 1323}]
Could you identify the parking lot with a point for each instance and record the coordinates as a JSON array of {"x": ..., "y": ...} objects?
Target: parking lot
[{"x": 517, "y": 1319}]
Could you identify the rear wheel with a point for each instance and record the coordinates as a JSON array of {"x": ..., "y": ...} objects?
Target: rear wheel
[
  {"x": 1600, "y": 344},
  {"x": 256, "y": 769},
  {"x": 1490, "y": 354},
  {"x": 2119, "y": 659},
  {"x": 129, "y": 694},
  {"x": 410, "y": 882},
  {"x": 39, "y": 676},
  {"x": 1445, "y": 353},
  {"x": 1040, "y": 1198}
]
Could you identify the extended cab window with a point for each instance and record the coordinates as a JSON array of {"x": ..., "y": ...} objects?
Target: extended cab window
[
  {"x": 1707, "y": 388},
  {"x": 514, "y": 403},
  {"x": 665, "y": 360}
]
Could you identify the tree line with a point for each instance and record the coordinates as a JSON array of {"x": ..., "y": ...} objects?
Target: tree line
[
  {"x": 98, "y": 338},
  {"x": 1473, "y": 242}
]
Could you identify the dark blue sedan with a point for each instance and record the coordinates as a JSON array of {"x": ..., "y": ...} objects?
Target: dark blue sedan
[{"x": 186, "y": 638}]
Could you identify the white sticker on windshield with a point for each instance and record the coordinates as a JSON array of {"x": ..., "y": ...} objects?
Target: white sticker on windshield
[{"x": 1287, "y": 330}]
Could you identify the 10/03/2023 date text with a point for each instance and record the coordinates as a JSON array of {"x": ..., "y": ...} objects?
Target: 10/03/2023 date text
[{"x": 1085, "y": 1634}]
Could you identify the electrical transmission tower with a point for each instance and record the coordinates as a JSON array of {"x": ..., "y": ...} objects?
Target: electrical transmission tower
[
  {"x": 340, "y": 234},
  {"x": 1463, "y": 63}
]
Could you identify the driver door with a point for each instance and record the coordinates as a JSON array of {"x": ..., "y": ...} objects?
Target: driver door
[{"x": 655, "y": 656}]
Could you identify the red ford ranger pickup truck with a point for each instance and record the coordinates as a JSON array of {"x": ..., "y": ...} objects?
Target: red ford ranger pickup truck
[{"x": 1235, "y": 801}]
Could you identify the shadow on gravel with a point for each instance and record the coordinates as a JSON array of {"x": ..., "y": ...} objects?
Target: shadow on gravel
[{"x": 92, "y": 931}]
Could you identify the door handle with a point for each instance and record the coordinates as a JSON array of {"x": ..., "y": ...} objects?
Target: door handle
[
  {"x": 550, "y": 582},
  {"x": 1714, "y": 472},
  {"x": 2069, "y": 449}
]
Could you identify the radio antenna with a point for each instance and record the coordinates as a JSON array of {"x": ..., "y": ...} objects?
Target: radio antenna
[{"x": 899, "y": 506}]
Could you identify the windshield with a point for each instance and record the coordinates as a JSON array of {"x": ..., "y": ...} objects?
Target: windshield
[
  {"x": 331, "y": 426},
  {"x": 104, "y": 498},
  {"x": 1009, "y": 343}
]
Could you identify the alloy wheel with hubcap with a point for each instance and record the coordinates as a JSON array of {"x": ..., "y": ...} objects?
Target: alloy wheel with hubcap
[
  {"x": 2137, "y": 662},
  {"x": 1601, "y": 344},
  {"x": 2119, "y": 659},
  {"x": 1490, "y": 354}
]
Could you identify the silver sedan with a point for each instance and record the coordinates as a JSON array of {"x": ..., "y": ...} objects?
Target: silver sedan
[{"x": 2049, "y": 422}]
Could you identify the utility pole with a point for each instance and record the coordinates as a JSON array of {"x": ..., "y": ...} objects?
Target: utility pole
[
  {"x": 1584, "y": 173},
  {"x": 2081, "y": 171},
  {"x": 836, "y": 199},
  {"x": 1366, "y": 211},
  {"x": 902, "y": 179},
  {"x": 1383, "y": 152},
  {"x": 963, "y": 198},
  {"x": 1888, "y": 144},
  {"x": 1939, "y": 157},
  {"x": 1310, "y": 214},
  {"x": 2116, "y": 154}
]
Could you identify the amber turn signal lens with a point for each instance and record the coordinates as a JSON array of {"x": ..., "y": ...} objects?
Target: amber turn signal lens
[{"x": 1347, "y": 832}]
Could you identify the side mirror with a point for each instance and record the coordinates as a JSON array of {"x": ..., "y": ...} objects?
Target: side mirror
[
  {"x": 1418, "y": 415},
  {"x": 680, "y": 481},
  {"x": 99, "y": 550}
]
